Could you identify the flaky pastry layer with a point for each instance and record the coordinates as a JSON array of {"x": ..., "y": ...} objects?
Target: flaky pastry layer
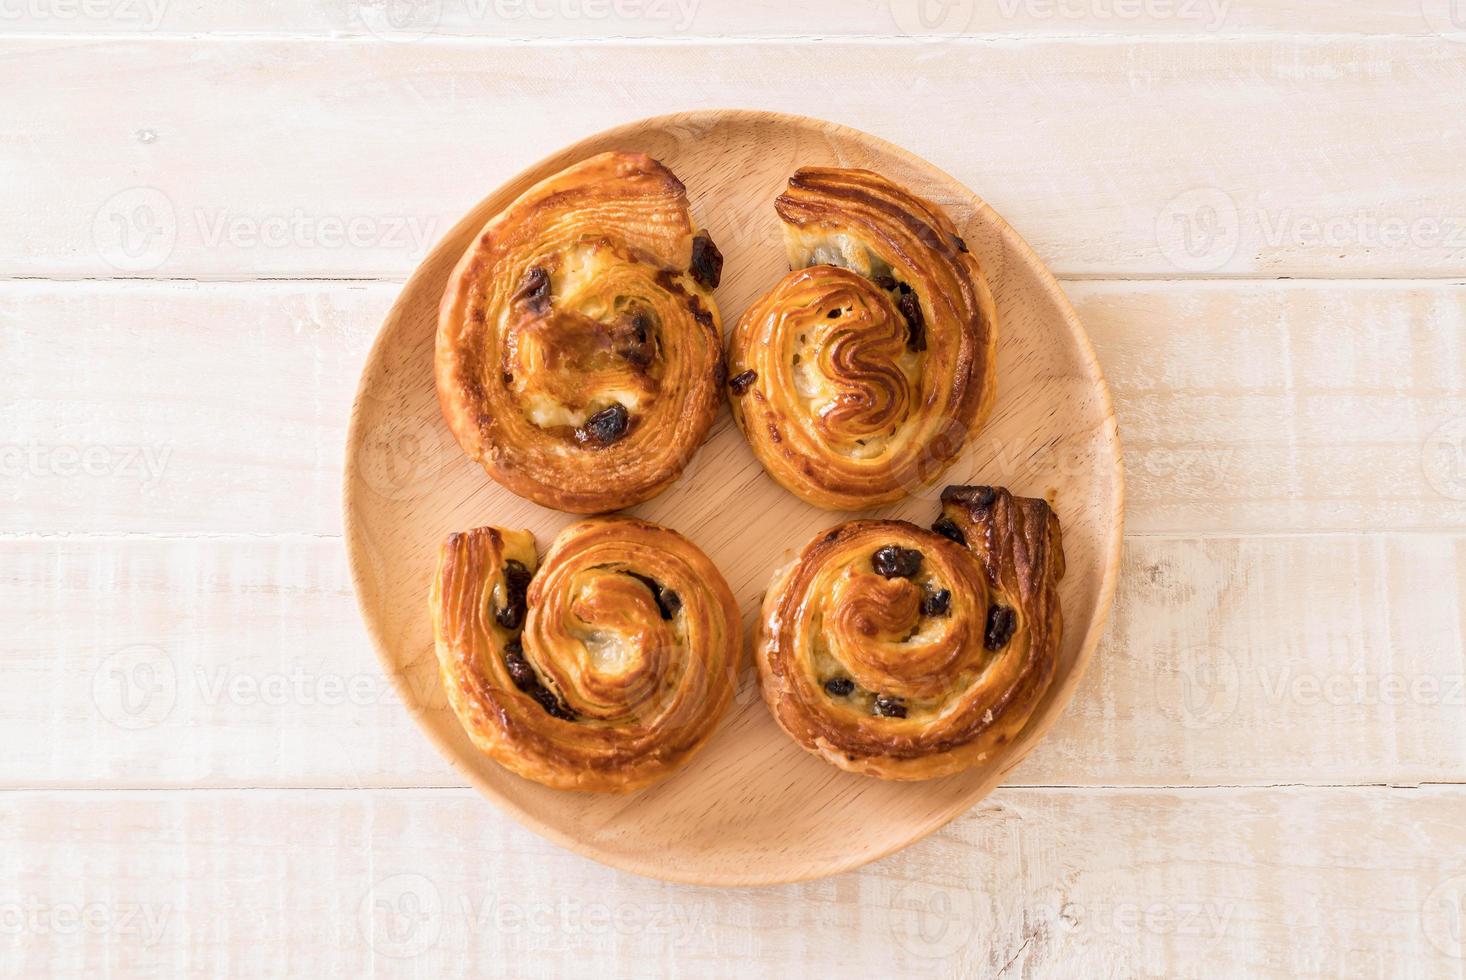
[
  {"x": 603, "y": 667},
  {"x": 861, "y": 374},
  {"x": 905, "y": 653},
  {"x": 579, "y": 347}
]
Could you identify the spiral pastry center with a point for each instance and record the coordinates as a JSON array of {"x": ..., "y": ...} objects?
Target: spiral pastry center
[
  {"x": 585, "y": 340},
  {"x": 889, "y": 636},
  {"x": 851, "y": 365},
  {"x": 628, "y": 651}
]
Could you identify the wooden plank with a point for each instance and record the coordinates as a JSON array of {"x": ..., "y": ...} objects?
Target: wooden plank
[
  {"x": 1280, "y": 407},
  {"x": 1035, "y": 883},
  {"x": 1235, "y": 159},
  {"x": 676, "y": 20},
  {"x": 1286, "y": 407},
  {"x": 178, "y": 407},
  {"x": 1322, "y": 659},
  {"x": 140, "y": 662},
  {"x": 148, "y": 662}
]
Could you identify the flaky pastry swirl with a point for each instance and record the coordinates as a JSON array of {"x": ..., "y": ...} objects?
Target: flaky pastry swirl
[
  {"x": 603, "y": 668},
  {"x": 579, "y": 348},
  {"x": 862, "y": 373},
  {"x": 903, "y": 653}
]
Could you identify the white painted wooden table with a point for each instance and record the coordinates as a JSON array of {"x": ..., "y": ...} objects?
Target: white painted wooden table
[{"x": 1257, "y": 207}]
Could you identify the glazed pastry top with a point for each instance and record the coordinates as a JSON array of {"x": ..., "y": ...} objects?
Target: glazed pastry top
[
  {"x": 908, "y": 653},
  {"x": 578, "y": 341}
]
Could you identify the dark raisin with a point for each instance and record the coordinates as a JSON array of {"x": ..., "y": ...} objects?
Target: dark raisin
[
  {"x": 534, "y": 290},
  {"x": 948, "y": 528},
  {"x": 508, "y": 378},
  {"x": 938, "y": 603},
  {"x": 604, "y": 427},
  {"x": 885, "y": 282},
  {"x": 700, "y": 312},
  {"x": 668, "y": 602},
  {"x": 889, "y": 707},
  {"x": 839, "y": 686},
  {"x": 893, "y": 561},
  {"x": 707, "y": 262},
  {"x": 1002, "y": 621},
  {"x": 634, "y": 340},
  {"x": 741, "y": 382},
  {"x": 524, "y": 678},
  {"x": 960, "y": 243},
  {"x": 915, "y": 323},
  {"x": 520, "y": 672},
  {"x": 516, "y": 583},
  {"x": 553, "y": 706},
  {"x": 833, "y": 314}
]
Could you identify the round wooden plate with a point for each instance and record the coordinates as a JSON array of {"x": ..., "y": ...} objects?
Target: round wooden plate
[{"x": 752, "y": 807}]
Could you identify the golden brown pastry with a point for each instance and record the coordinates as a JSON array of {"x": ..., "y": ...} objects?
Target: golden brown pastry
[
  {"x": 862, "y": 373},
  {"x": 602, "y": 668},
  {"x": 903, "y": 653},
  {"x": 579, "y": 348}
]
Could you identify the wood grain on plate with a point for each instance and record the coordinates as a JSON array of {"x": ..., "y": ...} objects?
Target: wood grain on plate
[{"x": 753, "y": 807}]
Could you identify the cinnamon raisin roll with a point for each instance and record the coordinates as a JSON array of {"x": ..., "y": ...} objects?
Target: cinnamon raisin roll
[
  {"x": 579, "y": 348},
  {"x": 862, "y": 373},
  {"x": 602, "y": 667},
  {"x": 906, "y": 653}
]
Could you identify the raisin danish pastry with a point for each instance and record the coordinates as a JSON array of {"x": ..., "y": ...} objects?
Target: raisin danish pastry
[
  {"x": 861, "y": 374},
  {"x": 903, "y": 653},
  {"x": 602, "y": 668},
  {"x": 579, "y": 348}
]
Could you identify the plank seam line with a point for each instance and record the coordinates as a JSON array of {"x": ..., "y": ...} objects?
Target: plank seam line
[
  {"x": 22, "y": 537},
  {"x": 1040, "y": 787},
  {"x": 1451, "y": 279},
  {"x": 1096, "y": 37}
]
